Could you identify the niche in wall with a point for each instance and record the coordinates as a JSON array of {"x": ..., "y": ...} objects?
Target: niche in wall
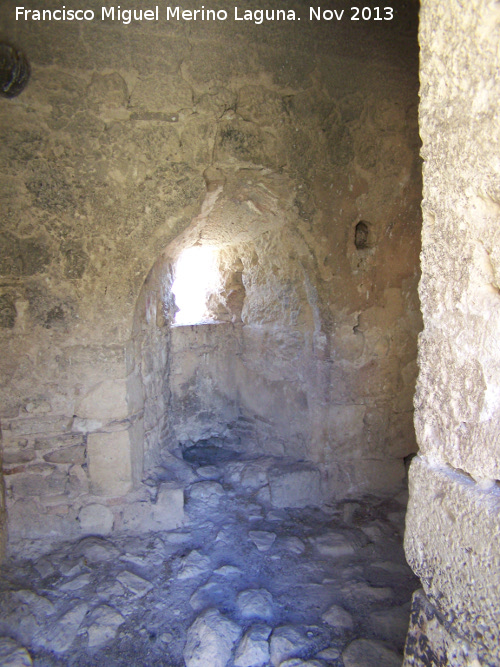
[
  {"x": 280, "y": 359},
  {"x": 229, "y": 369}
]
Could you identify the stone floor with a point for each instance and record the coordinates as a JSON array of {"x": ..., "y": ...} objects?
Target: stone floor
[{"x": 241, "y": 584}]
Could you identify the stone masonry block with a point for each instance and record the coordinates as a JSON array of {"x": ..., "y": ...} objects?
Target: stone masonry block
[
  {"x": 106, "y": 401},
  {"x": 452, "y": 543},
  {"x": 295, "y": 488},
  {"x": 168, "y": 512},
  {"x": 110, "y": 459},
  {"x": 96, "y": 519}
]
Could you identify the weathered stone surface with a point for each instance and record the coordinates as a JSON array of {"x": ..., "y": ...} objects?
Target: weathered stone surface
[
  {"x": 457, "y": 422},
  {"x": 77, "y": 583},
  {"x": 294, "y": 545},
  {"x": 287, "y": 642},
  {"x": 97, "y": 550},
  {"x": 96, "y": 519},
  {"x": 23, "y": 615},
  {"x": 159, "y": 585},
  {"x": 207, "y": 492},
  {"x": 430, "y": 642},
  {"x": 360, "y": 591},
  {"x": 207, "y": 595},
  {"x": 255, "y": 604},
  {"x": 105, "y": 622},
  {"x": 329, "y": 654},
  {"x": 391, "y": 624},
  {"x": 338, "y": 618},
  {"x": 369, "y": 653},
  {"x": 7, "y": 312},
  {"x": 210, "y": 640},
  {"x": 105, "y": 402},
  {"x": 335, "y": 545},
  {"x": 12, "y": 457},
  {"x": 62, "y": 634},
  {"x": 13, "y": 655},
  {"x": 253, "y": 650},
  {"x": 37, "y": 481},
  {"x": 168, "y": 511},
  {"x": 194, "y": 565},
  {"x": 297, "y": 662},
  {"x": 75, "y": 454},
  {"x": 452, "y": 543},
  {"x": 296, "y": 488},
  {"x": 228, "y": 570},
  {"x": 110, "y": 463},
  {"x": 137, "y": 585},
  {"x": 262, "y": 539},
  {"x": 452, "y": 533}
]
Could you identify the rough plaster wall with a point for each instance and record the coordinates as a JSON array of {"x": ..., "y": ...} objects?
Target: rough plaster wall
[
  {"x": 452, "y": 521},
  {"x": 103, "y": 160}
]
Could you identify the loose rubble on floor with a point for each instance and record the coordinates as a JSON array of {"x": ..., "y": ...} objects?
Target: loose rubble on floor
[{"x": 243, "y": 582}]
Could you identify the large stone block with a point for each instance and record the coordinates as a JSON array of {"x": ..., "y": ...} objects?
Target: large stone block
[
  {"x": 105, "y": 402},
  {"x": 458, "y": 391},
  {"x": 114, "y": 462},
  {"x": 168, "y": 511},
  {"x": 295, "y": 488},
  {"x": 452, "y": 543}
]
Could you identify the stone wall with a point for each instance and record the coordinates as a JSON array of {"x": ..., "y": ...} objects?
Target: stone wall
[
  {"x": 273, "y": 142},
  {"x": 452, "y": 522}
]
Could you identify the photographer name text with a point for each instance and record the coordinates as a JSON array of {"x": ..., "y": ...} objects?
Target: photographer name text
[{"x": 257, "y": 16}]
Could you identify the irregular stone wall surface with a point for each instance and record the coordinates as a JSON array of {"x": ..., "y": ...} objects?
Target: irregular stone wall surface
[
  {"x": 273, "y": 142},
  {"x": 453, "y": 514}
]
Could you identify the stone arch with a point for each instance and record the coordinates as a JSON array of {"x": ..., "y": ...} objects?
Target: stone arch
[{"x": 222, "y": 379}]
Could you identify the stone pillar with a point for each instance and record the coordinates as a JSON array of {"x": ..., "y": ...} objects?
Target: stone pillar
[{"x": 453, "y": 524}]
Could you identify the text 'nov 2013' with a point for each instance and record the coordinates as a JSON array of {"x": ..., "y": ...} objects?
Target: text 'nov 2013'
[{"x": 257, "y": 16}]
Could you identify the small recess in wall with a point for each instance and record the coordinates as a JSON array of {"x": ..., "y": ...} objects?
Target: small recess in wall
[
  {"x": 362, "y": 235},
  {"x": 14, "y": 71}
]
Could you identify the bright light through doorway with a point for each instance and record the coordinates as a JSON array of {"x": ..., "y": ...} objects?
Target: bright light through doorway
[{"x": 196, "y": 278}]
